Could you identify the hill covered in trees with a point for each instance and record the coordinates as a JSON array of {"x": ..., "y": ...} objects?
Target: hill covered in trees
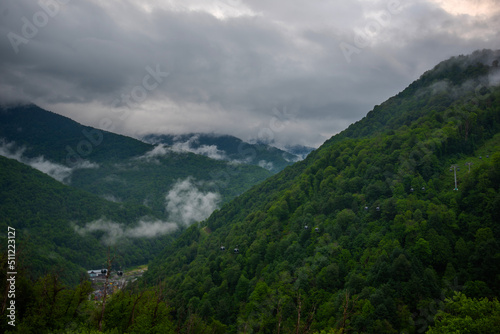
[
  {"x": 113, "y": 186},
  {"x": 50, "y": 220},
  {"x": 116, "y": 167},
  {"x": 368, "y": 234}
]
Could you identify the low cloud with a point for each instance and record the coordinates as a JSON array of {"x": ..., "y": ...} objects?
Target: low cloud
[
  {"x": 59, "y": 172},
  {"x": 158, "y": 151},
  {"x": 236, "y": 61},
  {"x": 186, "y": 204},
  {"x": 111, "y": 198},
  {"x": 210, "y": 151},
  {"x": 266, "y": 164},
  {"x": 113, "y": 232},
  {"x": 456, "y": 91},
  {"x": 494, "y": 78}
]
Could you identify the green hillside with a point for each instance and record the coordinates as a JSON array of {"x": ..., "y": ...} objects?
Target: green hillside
[
  {"x": 45, "y": 212},
  {"x": 393, "y": 238},
  {"x": 117, "y": 167},
  {"x": 366, "y": 235},
  {"x": 61, "y": 140},
  {"x": 147, "y": 181}
]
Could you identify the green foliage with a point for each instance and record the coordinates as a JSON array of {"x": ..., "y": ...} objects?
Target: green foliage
[
  {"x": 125, "y": 173},
  {"x": 147, "y": 181},
  {"x": 366, "y": 235},
  {"x": 467, "y": 315},
  {"x": 43, "y": 133},
  {"x": 384, "y": 226},
  {"x": 44, "y": 213},
  {"x": 49, "y": 306}
]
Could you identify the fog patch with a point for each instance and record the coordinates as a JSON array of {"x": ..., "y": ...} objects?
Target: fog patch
[
  {"x": 186, "y": 204},
  {"x": 294, "y": 158},
  {"x": 210, "y": 151},
  {"x": 494, "y": 78},
  {"x": 158, "y": 151},
  {"x": 59, "y": 172},
  {"x": 457, "y": 91},
  {"x": 266, "y": 164},
  {"x": 111, "y": 198},
  {"x": 440, "y": 87},
  {"x": 113, "y": 232}
]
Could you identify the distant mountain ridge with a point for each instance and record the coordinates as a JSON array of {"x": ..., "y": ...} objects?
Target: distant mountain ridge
[
  {"x": 153, "y": 189},
  {"x": 62, "y": 140},
  {"x": 115, "y": 166},
  {"x": 230, "y": 148},
  {"x": 301, "y": 151}
]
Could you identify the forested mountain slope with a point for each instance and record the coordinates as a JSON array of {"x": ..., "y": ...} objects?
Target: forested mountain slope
[
  {"x": 367, "y": 234},
  {"x": 47, "y": 216},
  {"x": 62, "y": 140},
  {"x": 148, "y": 180},
  {"x": 115, "y": 167}
]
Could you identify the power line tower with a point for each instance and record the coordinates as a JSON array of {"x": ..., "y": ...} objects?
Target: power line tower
[
  {"x": 454, "y": 168},
  {"x": 469, "y": 164}
]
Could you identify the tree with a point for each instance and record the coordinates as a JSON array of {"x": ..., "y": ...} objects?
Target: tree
[{"x": 466, "y": 315}]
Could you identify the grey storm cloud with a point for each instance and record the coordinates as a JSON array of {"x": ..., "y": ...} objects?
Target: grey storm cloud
[{"x": 230, "y": 63}]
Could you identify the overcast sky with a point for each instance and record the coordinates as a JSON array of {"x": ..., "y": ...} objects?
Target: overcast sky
[{"x": 296, "y": 71}]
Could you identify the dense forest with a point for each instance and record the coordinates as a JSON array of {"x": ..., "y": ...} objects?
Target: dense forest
[
  {"x": 146, "y": 181},
  {"x": 46, "y": 214},
  {"x": 118, "y": 185},
  {"x": 369, "y": 234},
  {"x": 103, "y": 181}
]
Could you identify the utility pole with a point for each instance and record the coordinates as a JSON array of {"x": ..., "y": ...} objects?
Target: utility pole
[
  {"x": 455, "y": 167},
  {"x": 108, "y": 271},
  {"x": 469, "y": 164}
]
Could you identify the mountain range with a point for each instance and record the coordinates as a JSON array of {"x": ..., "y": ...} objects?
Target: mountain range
[
  {"x": 226, "y": 147},
  {"x": 391, "y": 226},
  {"x": 368, "y": 233},
  {"x": 129, "y": 183}
]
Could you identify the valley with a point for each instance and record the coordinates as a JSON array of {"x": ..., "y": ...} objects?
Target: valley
[{"x": 366, "y": 234}]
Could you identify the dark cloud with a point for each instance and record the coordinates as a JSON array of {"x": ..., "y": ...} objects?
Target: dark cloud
[{"x": 234, "y": 66}]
